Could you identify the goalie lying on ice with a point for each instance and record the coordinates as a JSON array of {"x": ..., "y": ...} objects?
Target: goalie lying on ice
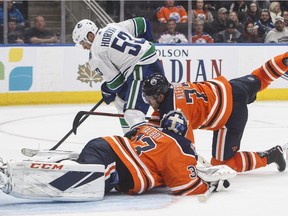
[{"x": 147, "y": 157}]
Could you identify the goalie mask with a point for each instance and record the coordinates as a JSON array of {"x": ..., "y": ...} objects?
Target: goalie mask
[
  {"x": 81, "y": 30},
  {"x": 175, "y": 121}
]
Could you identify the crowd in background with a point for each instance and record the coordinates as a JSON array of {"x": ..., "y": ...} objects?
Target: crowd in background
[{"x": 254, "y": 21}]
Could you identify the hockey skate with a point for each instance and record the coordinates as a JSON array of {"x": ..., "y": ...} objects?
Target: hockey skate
[{"x": 275, "y": 155}]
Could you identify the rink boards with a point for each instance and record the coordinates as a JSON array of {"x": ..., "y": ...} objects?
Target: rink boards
[{"x": 61, "y": 74}]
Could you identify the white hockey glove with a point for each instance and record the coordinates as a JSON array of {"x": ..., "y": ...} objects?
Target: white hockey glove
[{"x": 216, "y": 176}]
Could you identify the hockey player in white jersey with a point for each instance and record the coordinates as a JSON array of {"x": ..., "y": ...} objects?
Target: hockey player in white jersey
[{"x": 124, "y": 56}]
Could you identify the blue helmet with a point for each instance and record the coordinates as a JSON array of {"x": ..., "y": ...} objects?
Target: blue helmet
[{"x": 175, "y": 121}]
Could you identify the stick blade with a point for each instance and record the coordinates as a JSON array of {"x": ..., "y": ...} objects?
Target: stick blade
[
  {"x": 202, "y": 198},
  {"x": 76, "y": 121}
]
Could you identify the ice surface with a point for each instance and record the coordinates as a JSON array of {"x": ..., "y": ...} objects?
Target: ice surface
[{"x": 260, "y": 192}]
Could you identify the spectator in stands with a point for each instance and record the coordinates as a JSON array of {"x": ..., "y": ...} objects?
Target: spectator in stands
[
  {"x": 253, "y": 13},
  {"x": 275, "y": 10},
  {"x": 263, "y": 4},
  {"x": 39, "y": 35},
  {"x": 264, "y": 24},
  {"x": 218, "y": 24},
  {"x": 201, "y": 12},
  {"x": 234, "y": 16},
  {"x": 177, "y": 12},
  {"x": 285, "y": 16},
  {"x": 240, "y": 8},
  {"x": 15, "y": 32},
  {"x": 279, "y": 34},
  {"x": 12, "y": 12},
  {"x": 250, "y": 34},
  {"x": 198, "y": 36},
  {"x": 171, "y": 35},
  {"x": 229, "y": 35}
]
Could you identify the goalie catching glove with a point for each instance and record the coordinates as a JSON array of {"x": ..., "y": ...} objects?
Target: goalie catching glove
[{"x": 216, "y": 176}]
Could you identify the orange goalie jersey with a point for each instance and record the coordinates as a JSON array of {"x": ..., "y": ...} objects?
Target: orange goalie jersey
[
  {"x": 156, "y": 158},
  {"x": 207, "y": 105}
]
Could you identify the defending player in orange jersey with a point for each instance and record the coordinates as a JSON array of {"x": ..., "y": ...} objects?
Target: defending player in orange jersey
[
  {"x": 149, "y": 157},
  {"x": 221, "y": 106}
]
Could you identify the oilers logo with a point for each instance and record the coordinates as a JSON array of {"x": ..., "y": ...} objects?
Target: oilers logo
[
  {"x": 175, "y": 16},
  {"x": 201, "y": 16},
  {"x": 200, "y": 40}
]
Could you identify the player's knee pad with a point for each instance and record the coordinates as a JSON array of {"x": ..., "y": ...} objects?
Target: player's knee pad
[{"x": 133, "y": 117}]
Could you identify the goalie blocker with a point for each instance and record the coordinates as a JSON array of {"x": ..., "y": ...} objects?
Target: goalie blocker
[{"x": 64, "y": 181}]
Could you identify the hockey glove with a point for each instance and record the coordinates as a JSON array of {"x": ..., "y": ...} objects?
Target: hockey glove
[
  {"x": 219, "y": 185},
  {"x": 130, "y": 134},
  {"x": 107, "y": 96}
]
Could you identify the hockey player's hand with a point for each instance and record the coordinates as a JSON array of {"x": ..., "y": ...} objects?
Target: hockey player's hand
[
  {"x": 107, "y": 96},
  {"x": 130, "y": 134},
  {"x": 219, "y": 185}
]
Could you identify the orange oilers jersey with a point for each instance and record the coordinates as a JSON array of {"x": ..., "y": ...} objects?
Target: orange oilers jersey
[
  {"x": 178, "y": 13},
  {"x": 206, "y": 105},
  {"x": 202, "y": 38},
  {"x": 156, "y": 158},
  {"x": 201, "y": 14}
]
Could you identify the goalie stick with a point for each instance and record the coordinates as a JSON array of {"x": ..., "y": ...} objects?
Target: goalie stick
[{"x": 79, "y": 115}]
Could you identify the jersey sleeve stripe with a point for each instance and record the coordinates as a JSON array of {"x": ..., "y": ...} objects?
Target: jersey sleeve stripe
[
  {"x": 134, "y": 165},
  {"x": 191, "y": 186},
  {"x": 223, "y": 102},
  {"x": 141, "y": 164},
  {"x": 217, "y": 111}
]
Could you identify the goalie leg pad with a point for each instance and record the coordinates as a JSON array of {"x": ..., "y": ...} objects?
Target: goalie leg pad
[{"x": 56, "y": 181}]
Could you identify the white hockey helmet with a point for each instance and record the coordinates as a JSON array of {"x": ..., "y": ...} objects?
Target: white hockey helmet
[{"x": 82, "y": 28}]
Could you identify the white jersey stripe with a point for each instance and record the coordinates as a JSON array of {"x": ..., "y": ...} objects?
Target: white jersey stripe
[
  {"x": 133, "y": 164},
  {"x": 243, "y": 161},
  {"x": 254, "y": 160},
  {"x": 214, "y": 105},
  {"x": 268, "y": 73},
  {"x": 224, "y": 102},
  {"x": 144, "y": 167}
]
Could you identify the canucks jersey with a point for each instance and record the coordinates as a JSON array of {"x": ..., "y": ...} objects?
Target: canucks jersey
[{"x": 116, "y": 50}]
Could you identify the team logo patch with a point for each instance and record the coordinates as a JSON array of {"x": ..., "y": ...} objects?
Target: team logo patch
[{"x": 153, "y": 81}]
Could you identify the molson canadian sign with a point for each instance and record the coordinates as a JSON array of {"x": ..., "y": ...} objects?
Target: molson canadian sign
[{"x": 198, "y": 63}]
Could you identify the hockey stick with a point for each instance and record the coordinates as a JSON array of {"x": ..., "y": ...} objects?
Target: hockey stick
[
  {"x": 79, "y": 123},
  {"x": 79, "y": 115},
  {"x": 31, "y": 152}
]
